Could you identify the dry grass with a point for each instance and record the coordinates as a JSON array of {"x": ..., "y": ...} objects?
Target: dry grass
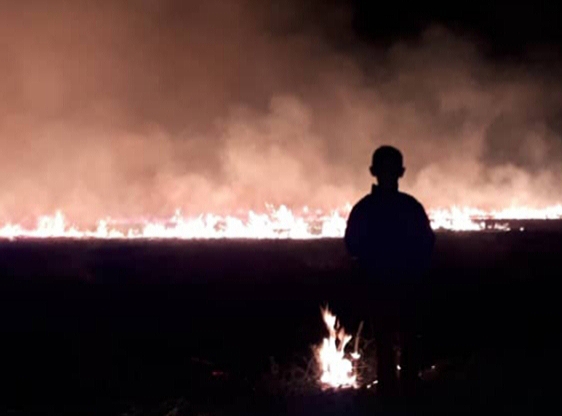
[{"x": 302, "y": 374}]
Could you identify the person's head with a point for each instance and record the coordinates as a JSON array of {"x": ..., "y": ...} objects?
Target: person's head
[{"x": 387, "y": 166}]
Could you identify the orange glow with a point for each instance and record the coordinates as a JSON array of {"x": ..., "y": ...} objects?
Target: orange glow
[{"x": 277, "y": 223}]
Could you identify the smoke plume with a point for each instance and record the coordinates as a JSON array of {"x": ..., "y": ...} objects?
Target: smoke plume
[{"x": 130, "y": 108}]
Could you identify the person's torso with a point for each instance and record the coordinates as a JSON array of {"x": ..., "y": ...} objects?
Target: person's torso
[{"x": 391, "y": 226}]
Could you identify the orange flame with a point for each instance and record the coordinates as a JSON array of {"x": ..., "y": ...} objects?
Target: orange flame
[
  {"x": 337, "y": 370},
  {"x": 279, "y": 222}
]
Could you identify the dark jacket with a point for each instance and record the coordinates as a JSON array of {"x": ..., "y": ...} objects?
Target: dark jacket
[{"x": 389, "y": 233}]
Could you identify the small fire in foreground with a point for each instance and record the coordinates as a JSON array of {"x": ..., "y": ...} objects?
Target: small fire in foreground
[
  {"x": 337, "y": 368},
  {"x": 276, "y": 223}
]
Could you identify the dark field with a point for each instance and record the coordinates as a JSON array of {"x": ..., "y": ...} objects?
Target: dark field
[{"x": 193, "y": 327}]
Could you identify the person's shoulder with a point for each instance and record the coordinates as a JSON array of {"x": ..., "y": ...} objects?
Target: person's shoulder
[
  {"x": 363, "y": 203},
  {"x": 410, "y": 200}
]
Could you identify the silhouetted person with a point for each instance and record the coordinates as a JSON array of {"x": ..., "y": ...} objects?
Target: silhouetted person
[{"x": 389, "y": 235}]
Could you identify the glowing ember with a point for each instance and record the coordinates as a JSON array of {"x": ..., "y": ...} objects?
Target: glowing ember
[
  {"x": 276, "y": 223},
  {"x": 337, "y": 371}
]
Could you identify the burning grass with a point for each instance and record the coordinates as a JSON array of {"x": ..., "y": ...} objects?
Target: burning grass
[
  {"x": 275, "y": 223},
  {"x": 335, "y": 363}
]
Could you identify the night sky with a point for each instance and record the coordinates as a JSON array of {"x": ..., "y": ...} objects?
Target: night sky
[{"x": 508, "y": 29}]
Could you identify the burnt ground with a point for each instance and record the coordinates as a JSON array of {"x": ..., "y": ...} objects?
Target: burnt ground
[{"x": 200, "y": 327}]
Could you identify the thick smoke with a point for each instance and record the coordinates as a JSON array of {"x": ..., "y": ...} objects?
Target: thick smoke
[{"x": 136, "y": 108}]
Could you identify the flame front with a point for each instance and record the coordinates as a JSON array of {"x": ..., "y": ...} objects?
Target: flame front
[
  {"x": 276, "y": 223},
  {"x": 337, "y": 370}
]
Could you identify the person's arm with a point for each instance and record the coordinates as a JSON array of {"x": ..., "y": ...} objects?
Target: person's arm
[
  {"x": 353, "y": 232},
  {"x": 426, "y": 235}
]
